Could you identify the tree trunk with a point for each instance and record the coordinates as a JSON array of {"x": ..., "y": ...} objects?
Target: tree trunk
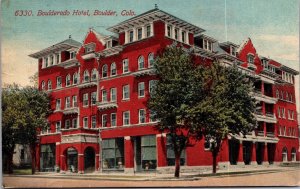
[
  {"x": 33, "y": 158},
  {"x": 177, "y": 165},
  {"x": 10, "y": 162},
  {"x": 214, "y": 154}
]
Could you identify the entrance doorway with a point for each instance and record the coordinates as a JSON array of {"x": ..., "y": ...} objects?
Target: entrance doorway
[
  {"x": 259, "y": 153},
  {"x": 247, "y": 152},
  {"x": 72, "y": 160},
  {"x": 137, "y": 154},
  {"x": 89, "y": 160}
]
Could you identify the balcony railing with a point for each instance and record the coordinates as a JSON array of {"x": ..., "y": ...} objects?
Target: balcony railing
[
  {"x": 251, "y": 66},
  {"x": 87, "y": 84},
  {"x": 268, "y": 118},
  {"x": 270, "y": 134},
  {"x": 71, "y": 110},
  {"x": 106, "y": 105},
  {"x": 260, "y": 133},
  {"x": 148, "y": 71}
]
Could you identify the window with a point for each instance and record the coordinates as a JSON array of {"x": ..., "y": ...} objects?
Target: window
[
  {"x": 125, "y": 66},
  {"x": 289, "y": 114},
  {"x": 104, "y": 70},
  {"x": 49, "y": 85},
  {"x": 57, "y": 126},
  {"x": 67, "y": 124},
  {"x": 294, "y": 157},
  {"x": 152, "y": 85},
  {"x": 46, "y": 62},
  {"x": 131, "y": 36},
  {"x": 43, "y": 85},
  {"x": 74, "y": 101},
  {"x": 58, "y": 82},
  {"x": 68, "y": 102},
  {"x": 94, "y": 75},
  {"x": 152, "y": 117},
  {"x": 68, "y": 80},
  {"x": 183, "y": 37},
  {"x": 148, "y": 152},
  {"x": 75, "y": 78},
  {"x": 284, "y": 154},
  {"x": 86, "y": 76},
  {"x": 141, "y": 89},
  {"x": 278, "y": 112},
  {"x": 93, "y": 98},
  {"x": 233, "y": 51},
  {"x": 109, "y": 44},
  {"x": 104, "y": 120},
  {"x": 89, "y": 48},
  {"x": 85, "y": 122},
  {"x": 283, "y": 113},
  {"x": 51, "y": 60},
  {"x": 170, "y": 153},
  {"x": 284, "y": 131},
  {"x": 126, "y": 118},
  {"x": 176, "y": 33},
  {"x": 113, "y": 119},
  {"x": 126, "y": 92},
  {"x": 141, "y": 63},
  {"x": 47, "y": 159},
  {"x": 281, "y": 95},
  {"x": 277, "y": 93},
  {"x": 287, "y": 96},
  {"x": 139, "y": 33},
  {"x": 250, "y": 59},
  {"x": 148, "y": 31},
  {"x": 113, "y": 153},
  {"x": 292, "y": 114},
  {"x": 142, "y": 116},
  {"x": 93, "y": 118},
  {"x": 113, "y": 69},
  {"x": 291, "y": 98},
  {"x": 58, "y": 104},
  {"x": 113, "y": 94},
  {"x": 72, "y": 55},
  {"x": 169, "y": 31},
  {"x": 57, "y": 59},
  {"x": 104, "y": 96},
  {"x": 150, "y": 60},
  {"x": 85, "y": 99},
  {"x": 74, "y": 123}
]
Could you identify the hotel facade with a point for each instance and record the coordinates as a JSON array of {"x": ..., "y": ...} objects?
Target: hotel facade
[{"x": 99, "y": 91}]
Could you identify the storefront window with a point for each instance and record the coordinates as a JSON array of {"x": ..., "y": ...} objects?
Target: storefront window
[
  {"x": 47, "y": 158},
  {"x": 171, "y": 155},
  {"x": 148, "y": 150},
  {"x": 113, "y": 153}
]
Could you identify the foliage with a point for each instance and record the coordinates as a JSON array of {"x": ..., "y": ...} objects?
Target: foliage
[{"x": 178, "y": 88}]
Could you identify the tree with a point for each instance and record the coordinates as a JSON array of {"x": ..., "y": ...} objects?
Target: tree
[
  {"x": 228, "y": 107},
  {"x": 24, "y": 112},
  {"x": 34, "y": 79},
  {"x": 179, "y": 87}
]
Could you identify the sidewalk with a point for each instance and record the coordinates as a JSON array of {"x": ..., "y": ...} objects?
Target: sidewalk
[{"x": 156, "y": 176}]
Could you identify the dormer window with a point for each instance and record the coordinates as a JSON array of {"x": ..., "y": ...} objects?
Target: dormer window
[
  {"x": 139, "y": 33},
  {"x": 46, "y": 62},
  {"x": 51, "y": 60},
  {"x": 207, "y": 45},
  {"x": 94, "y": 74},
  {"x": 89, "y": 48},
  {"x": 109, "y": 44},
  {"x": 57, "y": 59},
  {"x": 176, "y": 31},
  {"x": 250, "y": 59},
  {"x": 265, "y": 64},
  {"x": 72, "y": 55},
  {"x": 86, "y": 76},
  {"x": 169, "y": 31},
  {"x": 232, "y": 51},
  {"x": 183, "y": 39},
  {"x": 131, "y": 36},
  {"x": 148, "y": 31}
]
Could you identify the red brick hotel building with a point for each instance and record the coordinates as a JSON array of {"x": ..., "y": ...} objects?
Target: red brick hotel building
[{"x": 99, "y": 90}]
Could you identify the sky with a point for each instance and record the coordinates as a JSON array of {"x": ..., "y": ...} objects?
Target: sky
[{"x": 272, "y": 25}]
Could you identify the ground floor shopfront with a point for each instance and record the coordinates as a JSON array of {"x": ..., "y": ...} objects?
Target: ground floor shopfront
[{"x": 112, "y": 151}]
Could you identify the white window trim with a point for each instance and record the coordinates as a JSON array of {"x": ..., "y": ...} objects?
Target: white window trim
[
  {"x": 123, "y": 97},
  {"x": 139, "y": 89},
  {"x": 128, "y": 117},
  {"x": 102, "y": 118},
  {"x": 111, "y": 99},
  {"x": 87, "y": 122},
  {"x": 140, "y": 110},
  {"x": 111, "y": 115},
  {"x": 87, "y": 99}
]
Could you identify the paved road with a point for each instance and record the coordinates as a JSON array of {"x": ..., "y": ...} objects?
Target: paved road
[{"x": 282, "y": 178}]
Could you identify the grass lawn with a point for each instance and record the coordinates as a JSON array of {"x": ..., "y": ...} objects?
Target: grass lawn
[{"x": 22, "y": 171}]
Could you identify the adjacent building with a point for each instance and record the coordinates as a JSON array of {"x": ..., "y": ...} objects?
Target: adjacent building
[{"x": 99, "y": 92}]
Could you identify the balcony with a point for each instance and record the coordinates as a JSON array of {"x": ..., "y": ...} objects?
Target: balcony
[
  {"x": 270, "y": 134},
  {"x": 251, "y": 66},
  {"x": 71, "y": 110},
  {"x": 143, "y": 72},
  {"x": 260, "y": 133},
  {"x": 268, "y": 118},
  {"x": 69, "y": 63},
  {"x": 89, "y": 55},
  {"x": 261, "y": 97},
  {"x": 106, "y": 105},
  {"x": 87, "y": 84}
]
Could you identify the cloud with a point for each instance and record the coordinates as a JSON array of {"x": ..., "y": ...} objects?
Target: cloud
[{"x": 288, "y": 40}]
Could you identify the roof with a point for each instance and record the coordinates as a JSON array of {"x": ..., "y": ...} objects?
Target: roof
[
  {"x": 63, "y": 45},
  {"x": 228, "y": 43},
  {"x": 155, "y": 14}
]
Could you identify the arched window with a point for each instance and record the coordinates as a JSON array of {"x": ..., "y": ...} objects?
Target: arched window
[
  {"x": 281, "y": 95},
  {"x": 49, "y": 85},
  {"x": 291, "y": 97},
  {"x": 294, "y": 156},
  {"x": 150, "y": 60},
  {"x": 43, "y": 85},
  {"x": 68, "y": 80},
  {"x": 287, "y": 96},
  {"x": 104, "y": 70},
  {"x": 277, "y": 93},
  {"x": 94, "y": 74},
  {"x": 86, "y": 76},
  {"x": 113, "y": 69},
  {"x": 75, "y": 78},
  {"x": 284, "y": 154},
  {"x": 141, "y": 62}
]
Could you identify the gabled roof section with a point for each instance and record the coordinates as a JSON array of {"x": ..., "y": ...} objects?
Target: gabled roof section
[
  {"x": 228, "y": 43},
  {"x": 64, "y": 45},
  {"x": 99, "y": 36},
  {"x": 151, "y": 15},
  {"x": 243, "y": 44}
]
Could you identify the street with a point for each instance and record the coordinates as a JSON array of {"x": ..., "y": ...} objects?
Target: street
[{"x": 288, "y": 177}]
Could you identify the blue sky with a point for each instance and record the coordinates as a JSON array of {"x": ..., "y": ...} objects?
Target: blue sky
[{"x": 273, "y": 26}]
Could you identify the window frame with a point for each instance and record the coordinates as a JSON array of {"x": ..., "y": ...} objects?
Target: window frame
[
  {"x": 125, "y": 66},
  {"x": 104, "y": 120},
  {"x": 115, "y": 94},
  {"x": 113, "y": 120},
  {"x": 126, "y": 118},
  {"x": 141, "y": 89},
  {"x": 104, "y": 69},
  {"x": 142, "y": 116},
  {"x": 85, "y": 122},
  {"x": 85, "y": 100},
  {"x": 124, "y": 92}
]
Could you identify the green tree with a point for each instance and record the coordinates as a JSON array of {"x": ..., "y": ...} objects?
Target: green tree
[
  {"x": 228, "y": 107},
  {"x": 179, "y": 87},
  {"x": 34, "y": 79},
  {"x": 24, "y": 112}
]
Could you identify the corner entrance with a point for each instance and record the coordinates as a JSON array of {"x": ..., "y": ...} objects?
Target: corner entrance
[{"x": 72, "y": 160}]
